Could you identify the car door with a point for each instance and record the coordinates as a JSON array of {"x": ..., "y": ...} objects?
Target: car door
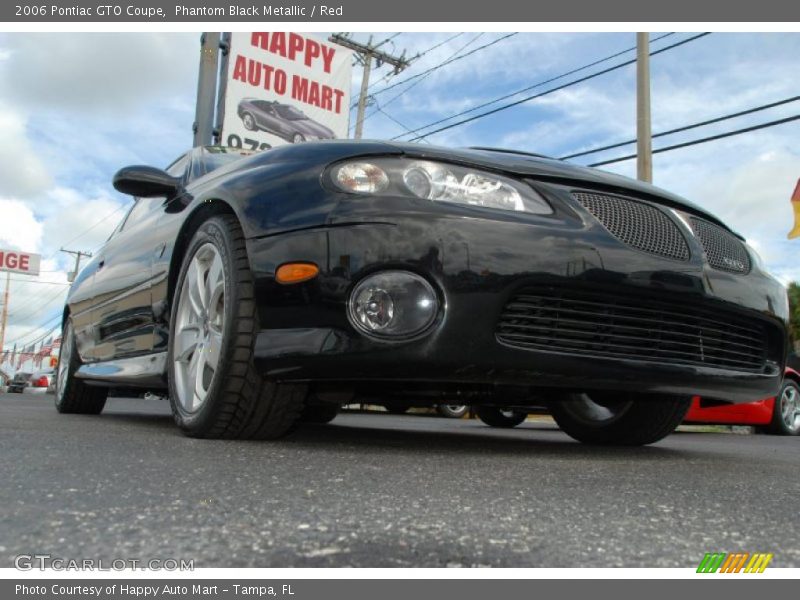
[{"x": 121, "y": 307}]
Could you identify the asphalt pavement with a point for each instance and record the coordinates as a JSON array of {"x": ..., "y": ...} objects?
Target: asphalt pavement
[{"x": 376, "y": 490}]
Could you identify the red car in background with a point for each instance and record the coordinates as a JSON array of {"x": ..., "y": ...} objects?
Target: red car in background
[{"x": 779, "y": 415}]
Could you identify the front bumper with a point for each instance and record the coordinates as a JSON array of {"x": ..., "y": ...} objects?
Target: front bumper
[{"x": 478, "y": 260}]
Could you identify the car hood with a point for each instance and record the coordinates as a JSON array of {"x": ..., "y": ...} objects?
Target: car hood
[{"x": 518, "y": 165}]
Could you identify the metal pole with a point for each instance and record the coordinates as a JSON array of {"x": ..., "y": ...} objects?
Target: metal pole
[
  {"x": 4, "y": 318},
  {"x": 644, "y": 148},
  {"x": 206, "y": 89},
  {"x": 362, "y": 99},
  {"x": 219, "y": 121}
]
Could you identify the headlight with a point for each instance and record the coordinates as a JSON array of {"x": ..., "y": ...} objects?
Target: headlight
[{"x": 438, "y": 182}]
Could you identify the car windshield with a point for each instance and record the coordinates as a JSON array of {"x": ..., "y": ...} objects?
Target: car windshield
[
  {"x": 290, "y": 112},
  {"x": 215, "y": 157}
]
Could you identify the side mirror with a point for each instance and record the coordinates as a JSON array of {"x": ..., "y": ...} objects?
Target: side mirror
[{"x": 145, "y": 182}]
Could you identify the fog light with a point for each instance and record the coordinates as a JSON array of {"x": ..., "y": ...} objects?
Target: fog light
[{"x": 393, "y": 304}]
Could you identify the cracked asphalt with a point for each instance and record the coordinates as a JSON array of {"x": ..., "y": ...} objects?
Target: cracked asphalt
[{"x": 374, "y": 490}]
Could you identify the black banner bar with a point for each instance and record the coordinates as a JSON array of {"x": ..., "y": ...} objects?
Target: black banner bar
[
  {"x": 472, "y": 11},
  {"x": 728, "y": 587}
]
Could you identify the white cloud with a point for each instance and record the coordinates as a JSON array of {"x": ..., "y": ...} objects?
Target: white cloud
[
  {"x": 21, "y": 171},
  {"x": 19, "y": 228},
  {"x": 91, "y": 72}
]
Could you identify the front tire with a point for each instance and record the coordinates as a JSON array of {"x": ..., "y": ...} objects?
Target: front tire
[
  {"x": 497, "y": 417},
  {"x": 249, "y": 122},
  {"x": 617, "y": 418},
  {"x": 786, "y": 411},
  {"x": 73, "y": 396},
  {"x": 298, "y": 138},
  {"x": 215, "y": 389}
]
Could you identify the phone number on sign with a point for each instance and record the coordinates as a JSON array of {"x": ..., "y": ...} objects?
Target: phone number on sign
[{"x": 103, "y": 10}]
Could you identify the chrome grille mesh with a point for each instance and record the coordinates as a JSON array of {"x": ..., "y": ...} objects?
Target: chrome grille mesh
[
  {"x": 724, "y": 251},
  {"x": 636, "y": 224}
]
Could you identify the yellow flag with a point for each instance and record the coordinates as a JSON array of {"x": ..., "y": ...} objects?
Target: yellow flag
[{"x": 795, "y": 232}]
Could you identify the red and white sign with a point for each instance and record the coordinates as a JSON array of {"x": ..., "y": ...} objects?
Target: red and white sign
[
  {"x": 285, "y": 88},
  {"x": 15, "y": 261}
]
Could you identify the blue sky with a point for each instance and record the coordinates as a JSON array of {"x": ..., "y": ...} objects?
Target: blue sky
[{"x": 76, "y": 107}]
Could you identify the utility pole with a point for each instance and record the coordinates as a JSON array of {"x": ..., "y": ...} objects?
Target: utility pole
[
  {"x": 78, "y": 254},
  {"x": 644, "y": 147},
  {"x": 366, "y": 52},
  {"x": 206, "y": 89},
  {"x": 4, "y": 318}
]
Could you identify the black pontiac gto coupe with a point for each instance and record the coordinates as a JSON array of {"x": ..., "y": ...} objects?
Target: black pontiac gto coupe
[{"x": 266, "y": 289}]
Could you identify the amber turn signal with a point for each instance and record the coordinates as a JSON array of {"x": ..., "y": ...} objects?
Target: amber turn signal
[{"x": 296, "y": 272}]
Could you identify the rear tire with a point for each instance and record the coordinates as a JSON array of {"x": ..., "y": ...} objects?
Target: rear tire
[
  {"x": 623, "y": 419},
  {"x": 215, "y": 389},
  {"x": 74, "y": 396},
  {"x": 452, "y": 411},
  {"x": 786, "y": 411},
  {"x": 497, "y": 417}
]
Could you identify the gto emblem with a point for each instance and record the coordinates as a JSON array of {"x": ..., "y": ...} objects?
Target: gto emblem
[{"x": 733, "y": 263}]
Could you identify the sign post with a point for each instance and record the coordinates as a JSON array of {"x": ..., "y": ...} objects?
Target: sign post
[{"x": 13, "y": 261}]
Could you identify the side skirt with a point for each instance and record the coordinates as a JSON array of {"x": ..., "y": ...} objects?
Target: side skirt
[{"x": 139, "y": 371}]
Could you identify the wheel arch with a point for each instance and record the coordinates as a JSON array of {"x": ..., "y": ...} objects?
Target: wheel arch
[{"x": 199, "y": 215}]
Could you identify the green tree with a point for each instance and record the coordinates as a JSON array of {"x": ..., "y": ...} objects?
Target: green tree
[{"x": 794, "y": 310}]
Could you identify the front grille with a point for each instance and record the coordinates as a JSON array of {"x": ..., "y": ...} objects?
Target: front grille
[
  {"x": 616, "y": 325},
  {"x": 636, "y": 224},
  {"x": 724, "y": 251}
]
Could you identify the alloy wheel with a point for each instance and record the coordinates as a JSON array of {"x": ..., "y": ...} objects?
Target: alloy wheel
[
  {"x": 65, "y": 357},
  {"x": 199, "y": 328},
  {"x": 790, "y": 408}
]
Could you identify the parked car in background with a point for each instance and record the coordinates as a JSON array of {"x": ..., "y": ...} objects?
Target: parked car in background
[
  {"x": 283, "y": 120},
  {"x": 19, "y": 382},
  {"x": 779, "y": 415},
  {"x": 42, "y": 379}
]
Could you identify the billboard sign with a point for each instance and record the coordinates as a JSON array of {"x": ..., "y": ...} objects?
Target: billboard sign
[
  {"x": 15, "y": 261},
  {"x": 284, "y": 88}
]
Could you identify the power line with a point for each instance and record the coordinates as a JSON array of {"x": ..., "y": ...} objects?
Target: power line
[
  {"x": 391, "y": 118},
  {"x": 366, "y": 53},
  {"x": 536, "y": 85},
  {"x": 557, "y": 88},
  {"x": 686, "y": 127},
  {"x": 424, "y": 76},
  {"x": 19, "y": 339},
  {"x": 710, "y": 138},
  {"x": 412, "y": 60},
  {"x": 445, "y": 63},
  {"x": 37, "y": 308},
  {"x": 39, "y": 282},
  {"x": 387, "y": 40}
]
